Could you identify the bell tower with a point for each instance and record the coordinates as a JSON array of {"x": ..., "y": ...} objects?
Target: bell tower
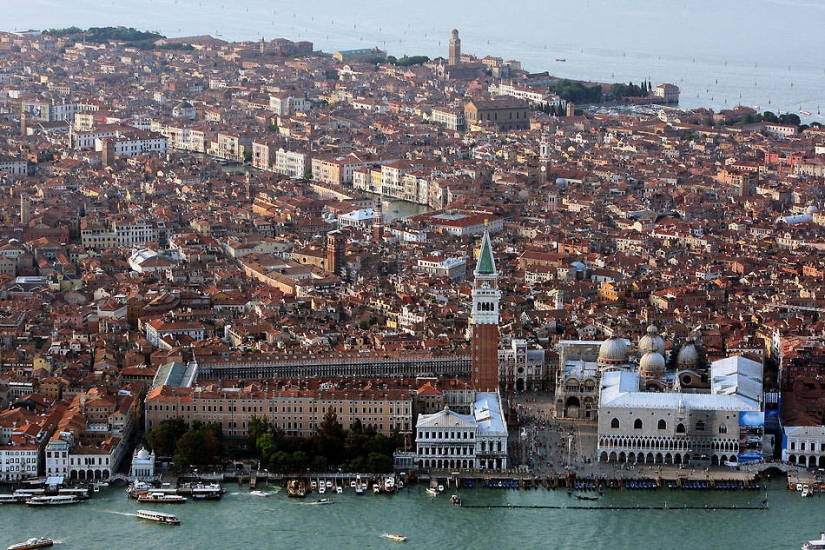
[{"x": 485, "y": 318}]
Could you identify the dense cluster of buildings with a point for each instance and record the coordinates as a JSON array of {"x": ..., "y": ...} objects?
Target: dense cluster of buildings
[{"x": 641, "y": 264}]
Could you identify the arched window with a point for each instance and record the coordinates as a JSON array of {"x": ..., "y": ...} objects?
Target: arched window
[
  {"x": 614, "y": 423},
  {"x": 680, "y": 428},
  {"x": 662, "y": 425},
  {"x": 723, "y": 429},
  {"x": 637, "y": 425}
]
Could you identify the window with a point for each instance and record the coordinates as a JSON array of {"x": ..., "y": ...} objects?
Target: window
[
  {"x": 614, "y": 423},
  {"x": 637, "y": 425},
  {"x": 662, "y": 425},
  {"x": 723, "y": 429},
  {"x": 680, "y": 428}
]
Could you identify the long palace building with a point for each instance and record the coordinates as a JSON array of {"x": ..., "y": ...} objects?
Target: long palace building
[{"x": 352, "y": 364}]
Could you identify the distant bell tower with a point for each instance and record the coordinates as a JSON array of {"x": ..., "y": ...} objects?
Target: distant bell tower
[
  {"x": 378, "y": 222},
  {"x": 25, "y": 210},
  {"x": 335, "y": 252},
  {"x": 455, "y": 49},
  {"x": 485, "y": 319}
]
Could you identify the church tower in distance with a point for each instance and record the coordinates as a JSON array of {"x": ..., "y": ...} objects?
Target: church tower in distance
[{"x": 485, "y": 319}]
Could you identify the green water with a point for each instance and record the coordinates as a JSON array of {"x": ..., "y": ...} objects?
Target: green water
[{"x": 242, "y": 521}]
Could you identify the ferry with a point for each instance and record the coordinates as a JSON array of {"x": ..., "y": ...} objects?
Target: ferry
[
  {"x": 161, "y": 498},
  {"x": 57, "y": 500},
  {"x": 13, "y": 499},
  {"x": 39, "y": 542},
  {"x": 211, "y": 491},
  {"x": 395, "y": 536},
  {"x": 818, "y": 544},
  {"x": 80, "y": 493},
  {"x": 158, "y": 517}
]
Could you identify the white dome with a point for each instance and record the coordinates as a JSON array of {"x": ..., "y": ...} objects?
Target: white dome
[
  {"x": 688, "y": 356},
  {"x": 143, "y": 454},
  {"x": 613, "y": 351},
  {"x": 652, "y": 364},
  {"x": 652, "y": 341},
  {"x": 811, "y": 210}
]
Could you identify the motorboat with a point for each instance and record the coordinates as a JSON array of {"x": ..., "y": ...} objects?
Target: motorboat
[
  {"x": 359, "y": 486},
  {"x": 56, "y": 500},
  {"x": 38, "y": 542},
  {"x": 432, "y": 492},
  {"x": 395, "y": 536},
  {"x": 586, "y": 497},
  {"x": 455, "y": 499},
  {"x": 376, "y": 489},
  {"x": 321, "y": 489},
  {"x": 158, "y": 517},
  {"x": 324, "y": 501},
  {"x": 259, "y": 493},
  {"x": 161, "y": 498},
  {"x": 329, "y": 484},
  {"x": 339, "y": 489},
  {"x": 389, "y": 484},
  {"x": 818, "y": 544}
]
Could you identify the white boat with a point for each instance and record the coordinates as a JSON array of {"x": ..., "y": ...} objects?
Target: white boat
[
  {"x": 389, "y": 484},
  {"x": 313, "y": 484},
  {"x": 440, "y": 488},
  {"x": 329, "y": 484},
  {"x": 395, "y": 536},
  {"x": 39, "y": 542},
  {"x": 57, "y": 500},
  {"x": 161, "y": 498},
  {"x": 432, "y": 492},
  {"x": 805, "y": 493},
  {"x": 360, "y": 486},
  {"x": 12, "y": 499},
  {"x": 322, "y": 490},
  {"x": 804, "y": 112},
  {"x": 324, "y": 501},
  {"x": 339, "y": 489},
  {"x": 376, "y": 489},
  {"x": 352, "y": 485},
  {"x": 818, "y": 544},
  {"x": 258, "y": 493},
  {"x": 158, "y": 517}
]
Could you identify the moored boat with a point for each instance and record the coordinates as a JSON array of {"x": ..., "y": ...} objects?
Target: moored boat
[
  {"x": 158, "y": 517},
  {"x": 57, "y": 500},
  {"x": 818, "y": 544},
  {"x": 296, "y": 489},
  {"x": 39, "y": 542},
  {"x": 161, "y": 498},
  {"x": 360, "y": 486},
  {"x": 389, "y": 484},
  {"x": 432, "y": 492}
]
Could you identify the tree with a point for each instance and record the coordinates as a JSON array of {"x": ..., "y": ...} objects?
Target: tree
[{"x": 163, "y": 438}]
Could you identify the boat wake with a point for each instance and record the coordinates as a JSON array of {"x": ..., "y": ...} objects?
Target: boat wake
[{"x": 118, "y": 513}]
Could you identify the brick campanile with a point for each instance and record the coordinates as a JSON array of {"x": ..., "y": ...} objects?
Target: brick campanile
[{"x": 485, "y": 319}]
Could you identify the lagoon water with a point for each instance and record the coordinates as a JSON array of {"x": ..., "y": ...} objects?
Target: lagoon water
[
  {"x": 242, "y": 521},
  {"x": 765, "y": 53}
]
